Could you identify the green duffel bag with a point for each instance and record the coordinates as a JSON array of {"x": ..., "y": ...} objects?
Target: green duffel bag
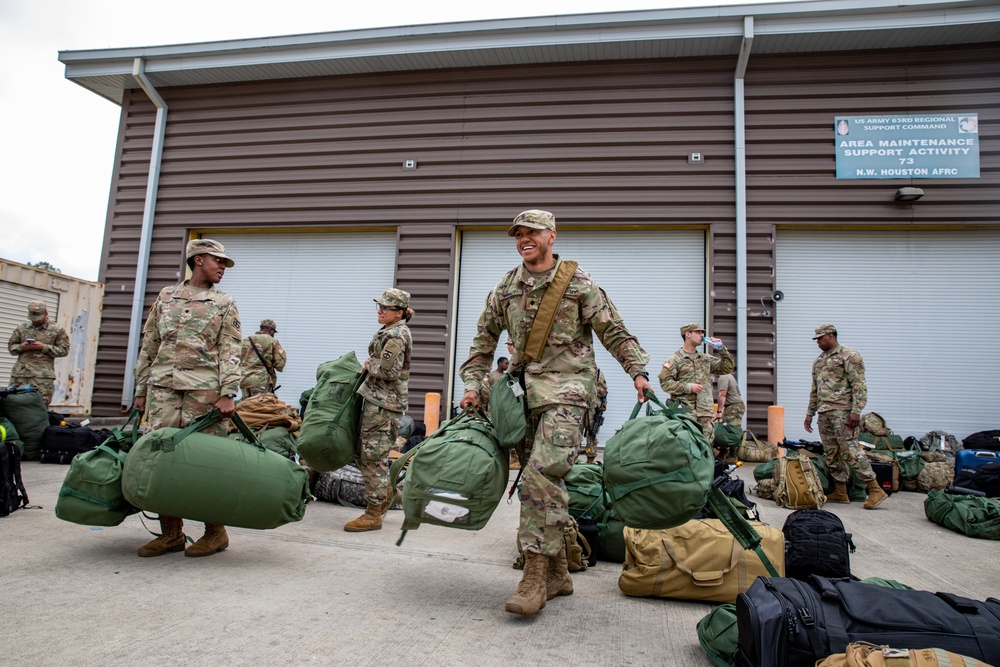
[
  {"x": 726, "y": 436},
  {"x": 508, "y": 411},
  {"x": 885, "y": 443},
  {"x": 328, "y": 436},
  {"x": 765, "y": 470},
  {"x": 585, "y": 485},
  {"x": 910, "y": 464},
  {"x": 975, "y": 516},
  {"x": 8, "y": 433},
  {"x": 91, "y": 494},
  {"x": 455, "y": 477},
  {"x": 25, "y": 408},
  {"x": 191, "y": 475},
  {"x": 718, "y": 635},
  {"x": 275, "y": 438},
  {"x": 610, "y": 539},
  {"x": 658, "y": 469}
]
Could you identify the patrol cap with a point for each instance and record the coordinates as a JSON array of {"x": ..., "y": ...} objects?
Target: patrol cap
[
  {"x": 692, "y": 326},
  {"x": 269, "y": 324},
  {"x": 824, "y": 330},
  {"x": 209, "y": 247},
  {"x": 37, "y": 308},
  {"x": 394, "y": 298},
  {"x": 534, "y": 219}
]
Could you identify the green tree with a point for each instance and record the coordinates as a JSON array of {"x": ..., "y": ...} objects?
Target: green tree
[{"x": 45, "y": 266}]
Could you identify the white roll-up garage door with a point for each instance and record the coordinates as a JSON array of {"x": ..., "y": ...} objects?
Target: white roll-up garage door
[
  {"x": 920, "y": 307},
  {"x": 317, "y": 287},
  {"x": 655, "y": 278}
]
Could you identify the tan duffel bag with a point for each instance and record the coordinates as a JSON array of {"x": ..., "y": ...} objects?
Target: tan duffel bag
[{"x": 698, "y": 560}]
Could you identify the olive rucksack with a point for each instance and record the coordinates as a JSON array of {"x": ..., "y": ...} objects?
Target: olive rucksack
[
  {"x": 329, "y": 432},
  {"x": 975, "y": 516},
  {"x": 25, "y": 408},
  {"x": 658, "y": 469},
  {"x": 455, "y": 477},
  {"x": 585, "y": 485},
  {"x": 719, "y": 636}
]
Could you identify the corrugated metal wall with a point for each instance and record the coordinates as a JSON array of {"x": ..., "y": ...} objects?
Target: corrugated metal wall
[{"x": 601, "y": 144}]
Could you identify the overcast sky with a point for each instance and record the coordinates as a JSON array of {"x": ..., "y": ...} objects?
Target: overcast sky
[{"x": 57, "y": 140}]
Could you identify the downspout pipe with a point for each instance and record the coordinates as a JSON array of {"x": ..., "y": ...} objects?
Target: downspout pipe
[
  {"x": 741, "y": 205},
  {"x": 146, "y": 237}
]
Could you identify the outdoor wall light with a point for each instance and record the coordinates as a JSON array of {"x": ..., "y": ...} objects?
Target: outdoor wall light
[{"x": 909, "y": 194}]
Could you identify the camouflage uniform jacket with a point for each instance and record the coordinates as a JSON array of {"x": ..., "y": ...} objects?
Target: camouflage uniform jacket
[
  {"x": 255, "y": 375},
  {"x": 191, "y": 340},
  {"x": 388, "y": 367},
  {"x": 684, "y": 369},
  {"x": 565, "y": 373},
  {"x": 838, "y": 382},
  {"x": 37, "y": 363}
]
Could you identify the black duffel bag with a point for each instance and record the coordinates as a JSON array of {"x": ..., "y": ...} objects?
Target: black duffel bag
[
  {"x": 790, "y": 623},
  {"x": 983, "y": 440},
  {"x": 985, "y": 478},
  {"x": 61, "y": 443}
]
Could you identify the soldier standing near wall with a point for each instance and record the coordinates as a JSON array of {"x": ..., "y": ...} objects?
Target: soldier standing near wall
[
  {"x": 839, "y": 394},
  {"x": 687, "y": 375},
  {"x": 261, "y": 358},
  {"x": 189, "y": 363},
  {"x": 560, "y": 389},
  {"x": 37, "y": 344}
]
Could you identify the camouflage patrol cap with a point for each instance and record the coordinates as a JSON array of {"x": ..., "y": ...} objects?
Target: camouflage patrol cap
[
  {"x": 37, "y": 308},
  {"x": 269, "y": 324},
  {"x": 692, "y": 326},
  {"x": 209, "y": 247},
  {"x": 533, "y": 219},
  {"x": 824, "y": 330},
  {"x": 394, "y": 298}
]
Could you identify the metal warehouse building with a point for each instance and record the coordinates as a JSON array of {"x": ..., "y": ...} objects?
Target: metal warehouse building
[{"x": 689, "y": 155}]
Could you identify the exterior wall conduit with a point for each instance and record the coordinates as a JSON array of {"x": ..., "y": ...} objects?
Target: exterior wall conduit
[
  {"x": 146, "y": 237},
  {"x": 741, "y": 205}
]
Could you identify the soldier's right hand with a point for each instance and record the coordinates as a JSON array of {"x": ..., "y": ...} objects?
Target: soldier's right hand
[
  {"x": 697, "y": 388},
  {"x": 808, "y": 424},
  {"x": 469, "y": 398},
  {"x": 139, "y": 404}
]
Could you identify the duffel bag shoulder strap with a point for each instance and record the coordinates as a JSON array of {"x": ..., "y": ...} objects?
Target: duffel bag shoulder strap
[
  {"x": 123, "y": 439},
  {"x": 746, "y": 535},
  {"x": 541, "y": 326}
]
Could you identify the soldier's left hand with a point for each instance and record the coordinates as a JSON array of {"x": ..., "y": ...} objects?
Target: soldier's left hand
[
  {"x": 641, "y": 385},
  {"x": 853, "y": 421},
  {"x": 37, "y": 346},
  {"x": 227, "y": 407}
]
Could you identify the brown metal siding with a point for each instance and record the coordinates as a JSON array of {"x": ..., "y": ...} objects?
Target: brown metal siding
[{"x": 791, "y": 164}]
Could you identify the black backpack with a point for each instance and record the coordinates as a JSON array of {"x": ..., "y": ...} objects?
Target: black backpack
[
  {"x": 816, "y": 543},
  {"x": 983, "y": 440},
  {"x": 985, "y": 478},
  {"x": 12, "y": 494}
]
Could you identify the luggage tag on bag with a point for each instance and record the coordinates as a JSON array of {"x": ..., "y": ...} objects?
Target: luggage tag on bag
[{"x": 515, "y": 388}]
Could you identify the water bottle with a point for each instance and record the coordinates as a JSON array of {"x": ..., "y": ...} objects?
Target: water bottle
[{"x": 711, "y": 343}]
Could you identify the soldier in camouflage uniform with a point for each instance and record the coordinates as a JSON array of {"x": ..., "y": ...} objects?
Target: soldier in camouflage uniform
[
  {"x": 189, "y": 363},
  {"x": 595, "y": 417},
  {"x": 839, "y": 394},
  {"x": 560, "y": 389},
  {"x": 385, "y": 393},
  {"x": 260, "y": 367},
  {"x": 35, "y": 363},
  {"x": 687, "y": 375},
  {"x": 731, "y": 407}
]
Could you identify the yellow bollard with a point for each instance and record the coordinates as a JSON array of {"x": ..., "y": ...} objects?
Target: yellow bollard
[
  {"x": 776, "y": 426},
  {"x": 432, "y": 411}
]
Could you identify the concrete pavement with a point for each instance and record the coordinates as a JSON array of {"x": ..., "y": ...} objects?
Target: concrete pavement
[{"x": 310, "y": 593}]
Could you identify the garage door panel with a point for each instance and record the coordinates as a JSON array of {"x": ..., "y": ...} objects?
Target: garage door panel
[
  {"x": 317, "y": 287},
  {"x": 920, "y": 307},
  {"x": 655, "y": 279}
]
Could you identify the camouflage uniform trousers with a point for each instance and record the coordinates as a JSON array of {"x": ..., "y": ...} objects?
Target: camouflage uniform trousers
[
  {"x": 46, "y": 386},
  {"x": 733, "y": 414},
  {"x": 707, "y": 427},
  {"x": 558, "y": 433},
  {"x": 841, "y": 448},
  {"x": 254, "y": 391},
  {"x": 173, "y": 408},
  {"x": 378, "y": 433}
]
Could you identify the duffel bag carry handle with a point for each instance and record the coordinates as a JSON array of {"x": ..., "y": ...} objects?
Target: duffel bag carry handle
[
  {"x": 118, "y": 434},
  {"x": 211, "y": 419},
  {"x": 670, "y": 412},
  {"x": 707, "y": 578}
]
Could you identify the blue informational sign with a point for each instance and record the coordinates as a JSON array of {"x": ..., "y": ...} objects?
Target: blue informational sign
[{"x": 933, "y": 145}]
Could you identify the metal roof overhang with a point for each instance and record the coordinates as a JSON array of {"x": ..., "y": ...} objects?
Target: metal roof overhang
[{"x": 794, "y": 27}]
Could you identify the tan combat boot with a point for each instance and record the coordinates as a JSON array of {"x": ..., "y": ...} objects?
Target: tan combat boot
[
  {"x": 839, "y": 494},
  {"x": 214, "y": 540},
  {"x": 557, "y": 579},
  {"x": 875, "y": 495},
  {"x": 370, "y": 520},
  {"x": 530, "y": 596},
  {"x": 171, "y": 538}
]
